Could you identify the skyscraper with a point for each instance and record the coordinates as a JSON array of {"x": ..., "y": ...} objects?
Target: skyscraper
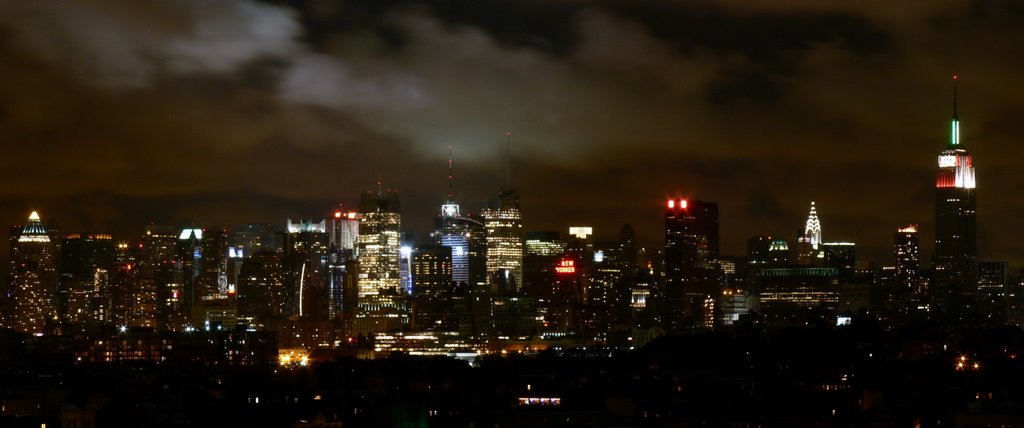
[
  {"x": 906, "y": 249},
  {"x": 261, "y": 288},
  {"x": 956, "y": 252},
  {"x": 382, "y": 306},
  {"x": 504, "y": 225},
  {"x": 32, "y": 289},
  {"x": 87, "y": 260},
  {"x": 808, "y": 242},
  {"x": 454, "y": 232},
  {"x": 691, "y": 244},
  {"x": 155, "y": 289},
  {"x": 344, "y": 230},
  {"x": 380, "y": 223},
  {"x": 305, "y": 270}
]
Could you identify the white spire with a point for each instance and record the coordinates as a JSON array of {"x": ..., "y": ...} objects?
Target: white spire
[{"x": 813, "y": 229}]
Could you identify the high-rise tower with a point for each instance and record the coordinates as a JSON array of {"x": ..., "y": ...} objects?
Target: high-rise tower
[
  {"x": 808, "y": 242},
  {"x": 382, "y": 304},
  {"x": 956, "y": 250},
  {"x": 453, "y": 231},
  {"x": 33, "y": 279},
  {"x": 380, "y": 222},
  {"x": 504, "y": 225},
  {"x": 906, "y": 250},
  {"x": 691, "y": 244}
]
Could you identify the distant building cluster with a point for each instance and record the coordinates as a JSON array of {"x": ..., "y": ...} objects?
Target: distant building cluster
[{"x": 480, "y": 284}]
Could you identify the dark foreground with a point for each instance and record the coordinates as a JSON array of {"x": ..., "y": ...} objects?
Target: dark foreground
[{"x": 856, "y": 375}]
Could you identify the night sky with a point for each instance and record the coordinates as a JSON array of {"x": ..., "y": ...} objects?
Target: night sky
[{"x": 116, "y": 114}]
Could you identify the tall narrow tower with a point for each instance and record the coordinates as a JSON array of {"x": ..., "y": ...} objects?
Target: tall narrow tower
[
  {"x": 813, "y": 228},
  {"x": 504, "y": 225},
  {"x": 808, "y": 242},
  {"x": 956, "y": 249},
  {"x": 33, "y": 279},
  {"x": 453, "y": 231},
  {"x": 691, "y": 244}
]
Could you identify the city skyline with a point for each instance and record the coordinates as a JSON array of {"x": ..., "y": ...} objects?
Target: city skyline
[{"x": 611, "y": 110}]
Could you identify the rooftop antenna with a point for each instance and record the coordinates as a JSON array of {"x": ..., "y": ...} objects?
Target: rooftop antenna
[
  {"x": 379, "y": 179},
  {"x": 508, "y": 159},
  {"x": 956, "y": 116},
  {"x": 451, "y": 182},
  {"x": 954, "y": 137}
]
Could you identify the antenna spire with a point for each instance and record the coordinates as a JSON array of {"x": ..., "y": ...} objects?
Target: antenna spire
[
  {"x": 956, "y": 116},
  {"x": 954, "y": 137},
  {"x": 380, "y": 157},
  {"x": 508, "y": 159},
  {"x": 451, "y": 180}
]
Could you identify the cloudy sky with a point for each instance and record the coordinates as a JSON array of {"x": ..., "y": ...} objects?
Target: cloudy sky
[{"x": 116, "y": 114}]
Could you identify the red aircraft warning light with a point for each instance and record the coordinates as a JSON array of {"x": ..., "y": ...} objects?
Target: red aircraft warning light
[{"x": 672, "y": 204}]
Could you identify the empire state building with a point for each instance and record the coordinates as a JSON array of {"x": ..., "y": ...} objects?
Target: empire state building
[{"x": 956, "y": 248}]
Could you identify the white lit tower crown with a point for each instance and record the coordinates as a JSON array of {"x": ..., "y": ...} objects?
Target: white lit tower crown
[
  {"x": 808, "y": 241},
  {"x": 956, "y": 252},
  {"x": 813, "y": 228}
]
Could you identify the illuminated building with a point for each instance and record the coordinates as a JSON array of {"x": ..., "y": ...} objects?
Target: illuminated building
[
  {"x": 789, "y": 295},
  {"x": 503, "y": 223},
  {"x": 956, "y": 253},
  {"x": 86, "y": 261},
  {"x": 993, "y": 284},
  {"x": 32, "y": 288},
  {"x": 343, "y": 227},
  {"x": 691, "y": 244},
  {"x": 813, "y": 228},
  {"x": 305, "y": 270},
  {"x": 808, "y": 241},
  {"x": 253, "y": 237},
  {"x": 734, "y": 304},
  {"x": 906, "y": 249},
  {"x": 123, "y": 280},
  {"x": 453, "y": 231},
  {"x": 778, "y": 253},
  {"x": 156, "y": 290},
  {"x": 382, "y": 302},
  {"x": 608, "y": 292},
  {"x": 545, "y": 244},
  {"x": 341, "y": 260},
  {"x": 757, "y": 250},
  {"x": 202, "y": 272},
  {"x": 188, "y": 264},
  {"x": 432, "y": 286},
  {"x": 840, "y": 255},
  {"x": 379, "y": 242},
  {"x": 261, "y": 293},
  {"x": 545, "y": 252},
  {"x": 212, "y": 282}
]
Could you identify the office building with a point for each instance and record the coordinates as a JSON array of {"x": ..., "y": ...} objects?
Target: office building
[
  {"x": 956, "y": 251},
  {"x": 691, "y": 247},
  {"x": 32, "y": 285},
  {"x": 86, "y": 262}
]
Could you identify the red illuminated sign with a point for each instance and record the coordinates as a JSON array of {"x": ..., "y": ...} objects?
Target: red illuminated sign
[{"x": 566, "y": 266}]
